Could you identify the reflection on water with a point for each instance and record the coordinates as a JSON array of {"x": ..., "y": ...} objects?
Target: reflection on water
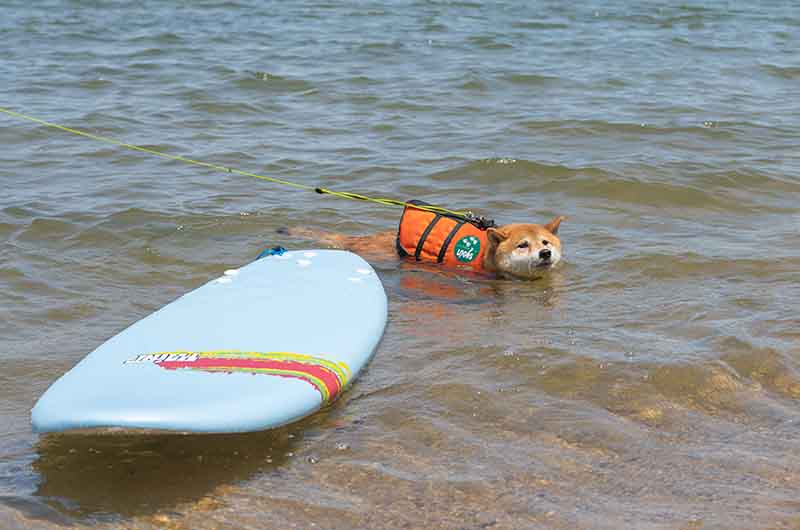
[{"x": 91, "y": 475}]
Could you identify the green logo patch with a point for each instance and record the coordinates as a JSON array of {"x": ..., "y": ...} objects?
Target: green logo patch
[{"x": 467, "y": 249}]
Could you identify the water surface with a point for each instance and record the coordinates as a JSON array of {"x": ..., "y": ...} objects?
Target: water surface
[{"x": 651, "y": 382}]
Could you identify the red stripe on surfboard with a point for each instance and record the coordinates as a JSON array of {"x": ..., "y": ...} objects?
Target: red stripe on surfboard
[{"x": 327, "y": 376}]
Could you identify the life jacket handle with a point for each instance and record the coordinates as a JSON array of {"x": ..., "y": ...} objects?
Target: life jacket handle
[{"x": 480, "y": 222}]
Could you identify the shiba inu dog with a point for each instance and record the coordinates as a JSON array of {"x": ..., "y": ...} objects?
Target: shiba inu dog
[{"x": 510, "y": 251}]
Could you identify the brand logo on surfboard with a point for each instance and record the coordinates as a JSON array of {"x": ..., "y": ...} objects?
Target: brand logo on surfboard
[
  {"x": 183, "y": 357},
  {"x": 467, "y": 249}
]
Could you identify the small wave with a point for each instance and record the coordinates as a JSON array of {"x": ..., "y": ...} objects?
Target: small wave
[
  {"x": 435, "y": 27},
  {"x": 706, "y": 128},
  {"x": 145, "y": 66},
  {"x": 369, "y": 13},
  {"x": 224, "y": 5},
  {"x": 95, "y": 84},
  {"x": 686, "y": 265},
  {"x": 652, "y": 193},
  {"x": 472, "y": 81},
  {"x": 43, "y": 230},
  {"x": 265, "y": 81},
  {"x": 378, "y": 46},
  {"x": 146, "y": 52},
  {"x": 474, "y": 85},
  {"x": 692, "y": 22},
  {"x": 770, "y": 368},
  {"x": 539, "y": 25},
  {"x": 85, "y": 36},
  {"x": 509, "y": 170},
  {"x": 322, "y": 131},
  {"x": 105, "y": 71},
  {"x": 407, "y": 106},
  {"x": 160, "y": 38},
  {"x": 70, "y": 311},
  {"x": 706, "y": 387},
  {"x": 383, "y": 127},
  {"x": 784, "y": 72},
  {"x": 133, "y": 217},
  {"x": 723, "y": 49},
  {"x": 362, "y": 80},
  {"x": 489, "y": 42},
  {"x": 531, "y": 79},
  {"x": 218, "y": 107},
  {"x": 96, "y": 237},
  {"x": 451, "y": 3}
]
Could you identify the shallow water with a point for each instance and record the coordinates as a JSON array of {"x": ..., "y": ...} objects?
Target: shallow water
[{"x": 652, "y": 381}]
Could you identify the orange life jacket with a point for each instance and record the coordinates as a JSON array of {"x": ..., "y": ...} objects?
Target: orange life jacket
[{"x": 429, "y": 236}]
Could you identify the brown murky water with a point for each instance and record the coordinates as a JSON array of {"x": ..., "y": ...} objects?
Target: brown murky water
[{"x": 652, "y": 381}]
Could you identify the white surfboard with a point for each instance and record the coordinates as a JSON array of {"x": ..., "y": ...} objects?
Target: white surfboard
[{"x": 259, "y": 347}]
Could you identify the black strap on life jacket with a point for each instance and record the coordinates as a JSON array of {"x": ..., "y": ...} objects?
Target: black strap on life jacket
[
  {"x": 448, "y": 240},
  {"x": 424, "y": 236}
]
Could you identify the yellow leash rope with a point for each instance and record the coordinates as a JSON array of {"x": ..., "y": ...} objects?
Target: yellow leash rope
[{"x": 342, "y": 194}]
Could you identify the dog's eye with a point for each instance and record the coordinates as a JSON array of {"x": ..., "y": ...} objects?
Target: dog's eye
[
  {"x": 524, "y": 244},
  {"x": 545, "y": 242}
]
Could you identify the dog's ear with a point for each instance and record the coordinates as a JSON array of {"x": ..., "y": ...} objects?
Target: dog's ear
[
  {"x": 553, "y": 225},
  {"x": 497, "y": 235}
]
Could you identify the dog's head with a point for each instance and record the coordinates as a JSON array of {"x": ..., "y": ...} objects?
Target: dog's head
[{"x": 524, "y": 250}]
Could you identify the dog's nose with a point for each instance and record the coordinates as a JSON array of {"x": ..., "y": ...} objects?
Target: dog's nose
[{"x": 545, "y": 253}]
